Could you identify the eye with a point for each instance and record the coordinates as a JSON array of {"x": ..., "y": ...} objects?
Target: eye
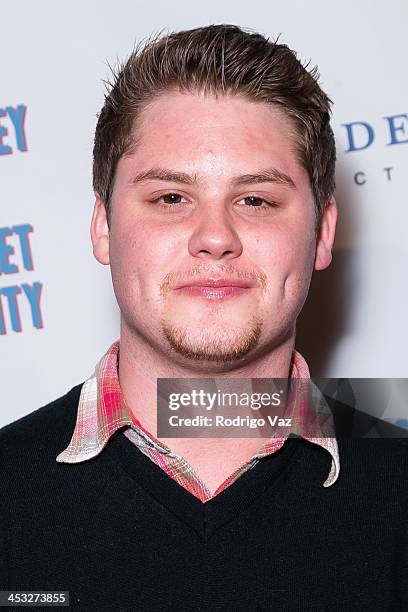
[
  {"x": 257, "y": 203},
  {"x": 254, "y": 201},
  {"x": 167, "y": 200}
]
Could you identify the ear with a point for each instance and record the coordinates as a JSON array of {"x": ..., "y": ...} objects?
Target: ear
[
  {"x": 100, "y": 232},
  {"x": 325, "y": 236}
]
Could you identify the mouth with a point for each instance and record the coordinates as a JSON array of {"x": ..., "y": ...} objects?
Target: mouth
[{"x": 214, "y": 289}]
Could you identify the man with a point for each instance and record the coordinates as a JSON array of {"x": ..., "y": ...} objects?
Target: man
[{"x": 214, "y": 177}]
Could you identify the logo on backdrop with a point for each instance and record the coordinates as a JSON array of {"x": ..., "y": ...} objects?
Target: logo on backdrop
[
  {"x": 361, "y": 135},
  {"x": 12, "y": 129},
  {"x": 15, "y": 249},
  {"x": 17, "y": 299}
]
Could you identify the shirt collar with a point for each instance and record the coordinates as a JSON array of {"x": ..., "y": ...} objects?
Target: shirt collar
[
  {"x": 317, "y": 425},
  {"x": 102, "y": 411}
]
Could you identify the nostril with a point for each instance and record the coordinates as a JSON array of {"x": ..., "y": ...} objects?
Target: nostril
[{"x": 216, "y": 242}]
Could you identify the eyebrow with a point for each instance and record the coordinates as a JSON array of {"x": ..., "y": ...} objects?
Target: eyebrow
[{"x": 268, "y": 175}]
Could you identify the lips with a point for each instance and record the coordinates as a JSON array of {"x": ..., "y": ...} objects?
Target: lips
[
  {"x": 214, "y": 289},
  {"x": 216, "y": 283}
]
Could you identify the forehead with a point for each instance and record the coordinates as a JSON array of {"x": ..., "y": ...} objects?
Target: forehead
[{"x": 203, "y": 133}]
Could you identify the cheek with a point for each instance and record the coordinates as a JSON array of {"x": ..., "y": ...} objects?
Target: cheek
[
  {"x": 298, "y": 267},
  {"x": 284, "y": 250},
  {"x": 286, "y": 257},
  {"x": 140, "y": 256}
]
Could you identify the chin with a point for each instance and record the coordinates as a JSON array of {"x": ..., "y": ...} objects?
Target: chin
[{"x": 212, "y": 344}]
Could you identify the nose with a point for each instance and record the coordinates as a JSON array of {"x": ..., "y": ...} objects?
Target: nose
[{"x": 214, "y": 236}]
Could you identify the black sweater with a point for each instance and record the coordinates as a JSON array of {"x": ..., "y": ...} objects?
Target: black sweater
[{"x": 119, "y": 534}]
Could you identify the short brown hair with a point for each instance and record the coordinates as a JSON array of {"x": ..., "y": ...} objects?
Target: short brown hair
[{"x": 218, "y": 59}]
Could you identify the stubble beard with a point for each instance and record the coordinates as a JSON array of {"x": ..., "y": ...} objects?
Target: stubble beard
[{"x": 222, "y": 346}]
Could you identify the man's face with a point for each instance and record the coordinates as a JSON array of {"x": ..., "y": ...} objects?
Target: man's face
[{"x": 212, "y": 241}]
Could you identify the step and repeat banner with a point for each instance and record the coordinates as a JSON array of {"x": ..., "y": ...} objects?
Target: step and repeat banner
[{"x": 58, "y": 314}]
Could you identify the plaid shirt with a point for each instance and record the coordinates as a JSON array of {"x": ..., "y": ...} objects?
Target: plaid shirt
[{"x": 102, "y": 411}]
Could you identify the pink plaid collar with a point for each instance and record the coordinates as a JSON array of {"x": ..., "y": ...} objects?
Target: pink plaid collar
[{"x": 102, "y": 411}]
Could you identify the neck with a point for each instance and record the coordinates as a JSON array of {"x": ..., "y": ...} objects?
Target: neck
[{"x": 140, "y": 365}]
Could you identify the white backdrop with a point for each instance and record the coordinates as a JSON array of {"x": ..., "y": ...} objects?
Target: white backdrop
[{"x": 58, "y": 314}]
